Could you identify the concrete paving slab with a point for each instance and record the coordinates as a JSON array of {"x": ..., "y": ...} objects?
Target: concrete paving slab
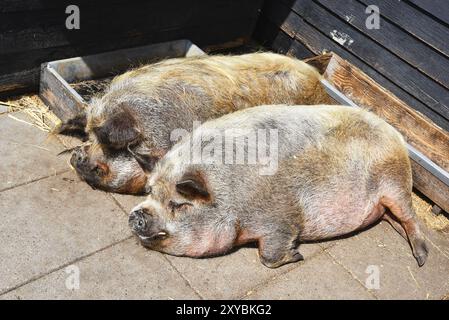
[
  {"x": 51, "y": 222},
  {"x": 123, "y": 271},
  {"x": 27, "y": 153},
  {"x": 235, "y": 274},
  {"x": 437, "y": 241},
  {"x": 128, "y": 202},
  {"x": 380, "y": 249},
  {"x": 320, "y": 278}
]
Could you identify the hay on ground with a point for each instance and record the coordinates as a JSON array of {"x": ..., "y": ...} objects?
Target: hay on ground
[
  {"x": 38, "y": 113},
  {"x": 424, "y": 212}
]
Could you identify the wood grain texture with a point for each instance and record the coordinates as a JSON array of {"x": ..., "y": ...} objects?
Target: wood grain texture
[
  {"x": 320, "y": 62},
  {"x": 27, "y": 79},
  {"x": 9, "y": 6},
  {"x": 437, "y": 8},
  {"x": 415, "y": 52},
  {"x": 59, "y": 98},
  {"x": 33, "y": 32},
  {"x": 47, "y": 28},
  {"x": 415, "y": 22},
  {"x": 431, "y": 187}
]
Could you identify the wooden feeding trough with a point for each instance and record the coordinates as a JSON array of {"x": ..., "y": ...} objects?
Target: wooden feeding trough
[
  {"x": 428, "y": 144},
  {"x": 58, "y": 77}
]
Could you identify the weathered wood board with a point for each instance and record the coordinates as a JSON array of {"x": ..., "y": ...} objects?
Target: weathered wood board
[
  {"x": 421, "y": 26},
  {"x": 398, "y": 41},
  {"x": 34, "y": 31}
]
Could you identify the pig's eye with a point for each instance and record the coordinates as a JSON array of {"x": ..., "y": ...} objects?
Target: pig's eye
[
  {"x": 101, "y": 169},
  {"x": 98, "y": 171},
  {"x": 176, "y": 206}
]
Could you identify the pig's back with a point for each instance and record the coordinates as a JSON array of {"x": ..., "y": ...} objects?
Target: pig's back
[{"x": 227, "y": 83}]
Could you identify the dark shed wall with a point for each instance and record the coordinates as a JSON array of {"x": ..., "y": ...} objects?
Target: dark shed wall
[
  {"x": 408, "y": 55},
  {"x": 33, "y": 31}
]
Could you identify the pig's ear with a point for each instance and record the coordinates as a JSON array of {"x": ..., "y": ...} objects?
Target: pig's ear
[
  {"x": 193, "y": 187},
  {"x": 118, "y": 131},
  {"x": 146, "y": 161},
  {"x": 145, "y": 157}
]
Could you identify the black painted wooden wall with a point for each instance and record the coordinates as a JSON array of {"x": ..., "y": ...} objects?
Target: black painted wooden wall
[
  {"x": 33, "y": 31},
  {"x": 408, "y": 55}
]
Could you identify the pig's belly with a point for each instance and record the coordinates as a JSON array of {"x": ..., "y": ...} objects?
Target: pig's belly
[{"x": 338, "y": 216}]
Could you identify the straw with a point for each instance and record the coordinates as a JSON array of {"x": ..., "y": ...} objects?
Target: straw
[
  {"x": 424, "y": 212},
  {"x": 38, "y": 113}
]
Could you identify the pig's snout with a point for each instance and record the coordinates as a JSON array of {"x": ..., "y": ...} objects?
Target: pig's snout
[
  {"x": 148, "y": 227},
  {"x": 79, "y": 157},
  {"x": 138, "y": 221}
]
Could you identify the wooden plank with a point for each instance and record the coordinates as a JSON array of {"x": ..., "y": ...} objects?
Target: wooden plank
[
  {"x": 320, "y": 62},
  {"x": 13, "y": 62},
  {"x": 413, "y": 21},
  {"x": 430, "y": 187},
  {"x": 296, "y": 27},
  {"x": 24, "y": 75},
  {"x": 299, "y": 50},
  {"x": 274, "y": 37},
  {"x": 101, "y": 65},
  {"x": 271, "y": 36},
  {"x": 393, "y": 38},
  {"x": 96, "y": 15},
  {"x": 21, "y": 6},
  {"x": 62, "y": 100},
  {"x": 96, "y": 24},
  {"x": 282, "y": 43},
  {"x": 437, "y": 8},
  {"x": 33, "y": 5},
  {"x": 36, "y": 30},
  {"x": 411, "y": 80},
  {"x": 19, "y": 82}
]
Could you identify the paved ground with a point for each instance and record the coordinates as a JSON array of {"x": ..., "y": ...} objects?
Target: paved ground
[{"x": 53, "y": 226}]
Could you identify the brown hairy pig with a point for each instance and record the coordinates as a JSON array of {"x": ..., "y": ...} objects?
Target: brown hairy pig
[
  {"x": 330, "y": 171},
  {"x": 139, "y": 110}
]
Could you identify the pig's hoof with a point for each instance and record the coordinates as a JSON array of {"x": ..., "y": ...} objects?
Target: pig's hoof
[
  {"x": 271, "y": 264},
  {"x": 297, "y": 257},
  {"x": 420, "y": 251},
  {"x": 291, "y": 257}
]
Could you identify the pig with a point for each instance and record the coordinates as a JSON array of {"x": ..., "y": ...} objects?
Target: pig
[
  {"x": 340, "y": 169},
  {"x": 133, "y": 120}
]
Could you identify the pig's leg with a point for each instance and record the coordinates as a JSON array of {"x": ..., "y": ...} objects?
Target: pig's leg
[
  {"x": 403, "y": 212},
  {"x": 278, "y": 249},
  {"x": 396, "y": 225}
]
